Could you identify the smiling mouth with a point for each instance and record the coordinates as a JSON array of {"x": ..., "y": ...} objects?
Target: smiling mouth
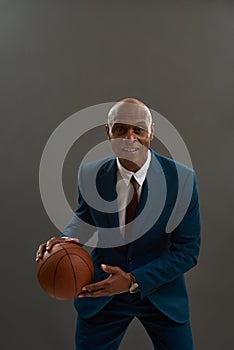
[{"x": 130, "y": 149}]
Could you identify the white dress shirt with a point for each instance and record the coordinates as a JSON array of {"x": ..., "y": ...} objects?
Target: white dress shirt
[{"x": 123, "y": 186}]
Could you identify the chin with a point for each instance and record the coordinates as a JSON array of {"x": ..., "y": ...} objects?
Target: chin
[{"x": 134, "y": 162}]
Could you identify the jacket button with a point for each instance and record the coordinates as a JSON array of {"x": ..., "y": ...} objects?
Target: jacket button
[{"x": 130, "y": 260}]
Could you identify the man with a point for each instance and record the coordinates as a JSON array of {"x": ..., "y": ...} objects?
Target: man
[{"x": 144, "y": 246}]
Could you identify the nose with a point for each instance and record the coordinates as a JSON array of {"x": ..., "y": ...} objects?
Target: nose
[{"x": 130, "y": 135}]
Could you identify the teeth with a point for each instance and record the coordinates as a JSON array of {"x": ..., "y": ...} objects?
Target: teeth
[{"x": 128, "y": 149}]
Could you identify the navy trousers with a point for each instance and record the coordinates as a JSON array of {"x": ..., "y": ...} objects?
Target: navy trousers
[{"x": 105, "y": 330}]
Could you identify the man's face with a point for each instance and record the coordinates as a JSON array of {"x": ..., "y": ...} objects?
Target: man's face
[{"x": 130, "y": 136}]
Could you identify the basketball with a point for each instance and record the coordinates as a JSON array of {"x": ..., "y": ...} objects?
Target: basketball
[{"x": 64, "y": 270}]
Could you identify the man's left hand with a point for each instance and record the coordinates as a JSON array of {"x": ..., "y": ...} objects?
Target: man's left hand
[{"x": 117, "y": 282}]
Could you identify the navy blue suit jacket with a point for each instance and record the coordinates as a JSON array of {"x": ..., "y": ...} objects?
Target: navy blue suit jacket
[{"x": 166, "y": 238}]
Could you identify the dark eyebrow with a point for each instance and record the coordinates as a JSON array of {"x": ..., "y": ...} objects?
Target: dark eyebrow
[{"x": 140, "y": 124}]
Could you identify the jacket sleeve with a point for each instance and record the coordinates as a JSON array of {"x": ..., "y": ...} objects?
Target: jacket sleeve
[
  {"x": 182, "y": 254},
  {"x": 81, "y": 225}
]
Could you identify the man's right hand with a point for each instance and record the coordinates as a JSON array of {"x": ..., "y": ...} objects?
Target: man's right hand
[{"x": 49, "y": 244}]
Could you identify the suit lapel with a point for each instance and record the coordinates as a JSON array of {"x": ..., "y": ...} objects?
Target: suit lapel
[{"x": 106, "y": 187}]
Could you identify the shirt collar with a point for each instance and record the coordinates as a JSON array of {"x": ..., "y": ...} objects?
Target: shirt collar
[{"x": 139, "y": 175}]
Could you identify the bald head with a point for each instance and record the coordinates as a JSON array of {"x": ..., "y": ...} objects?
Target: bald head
[{"x": 129, "y": 111}]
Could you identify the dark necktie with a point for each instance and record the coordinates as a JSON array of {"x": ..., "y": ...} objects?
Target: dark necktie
[{"x": 132, "y": 206}]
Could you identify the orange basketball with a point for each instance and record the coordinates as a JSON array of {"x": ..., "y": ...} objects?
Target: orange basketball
[{"x": 64, "y": 270}]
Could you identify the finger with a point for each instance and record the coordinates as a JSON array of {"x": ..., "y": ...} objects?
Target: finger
[
  {"x": 72, "y": 240},
  {"x": 95, "y": 294},
  {"x": 54, "y": 240},
  {"x": 50, "y": 243},
  {"x": 110, "y": 269},
  {"x": 95, "y": 286},
  {"x": 40, "y": 251}
]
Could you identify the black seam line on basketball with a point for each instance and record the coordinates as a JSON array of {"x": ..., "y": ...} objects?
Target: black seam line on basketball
[
  {"x": 83, "y": 261},
  {"x": 55, "y": 273},
  {"x": 73, "y": 271},
  {"x": 80, "y": 258},
  {"x": 53, "y": 283},
  {"x": 49, "y": 257}
]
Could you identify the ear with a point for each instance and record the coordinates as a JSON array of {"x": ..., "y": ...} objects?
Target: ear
[
  {"x": 107, "y": 132},
  {"x": 152, "y": 132}
]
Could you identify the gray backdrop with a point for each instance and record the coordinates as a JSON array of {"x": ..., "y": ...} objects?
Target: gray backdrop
[{"x": 58, "y": 57}]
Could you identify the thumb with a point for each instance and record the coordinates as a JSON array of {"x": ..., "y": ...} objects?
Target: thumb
[{"x": 109, "y": 269}]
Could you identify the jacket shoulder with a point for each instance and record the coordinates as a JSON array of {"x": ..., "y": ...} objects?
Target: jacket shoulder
[
  {"x": 104, "y": 163},
  {"x": 168, "y": 164}
]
